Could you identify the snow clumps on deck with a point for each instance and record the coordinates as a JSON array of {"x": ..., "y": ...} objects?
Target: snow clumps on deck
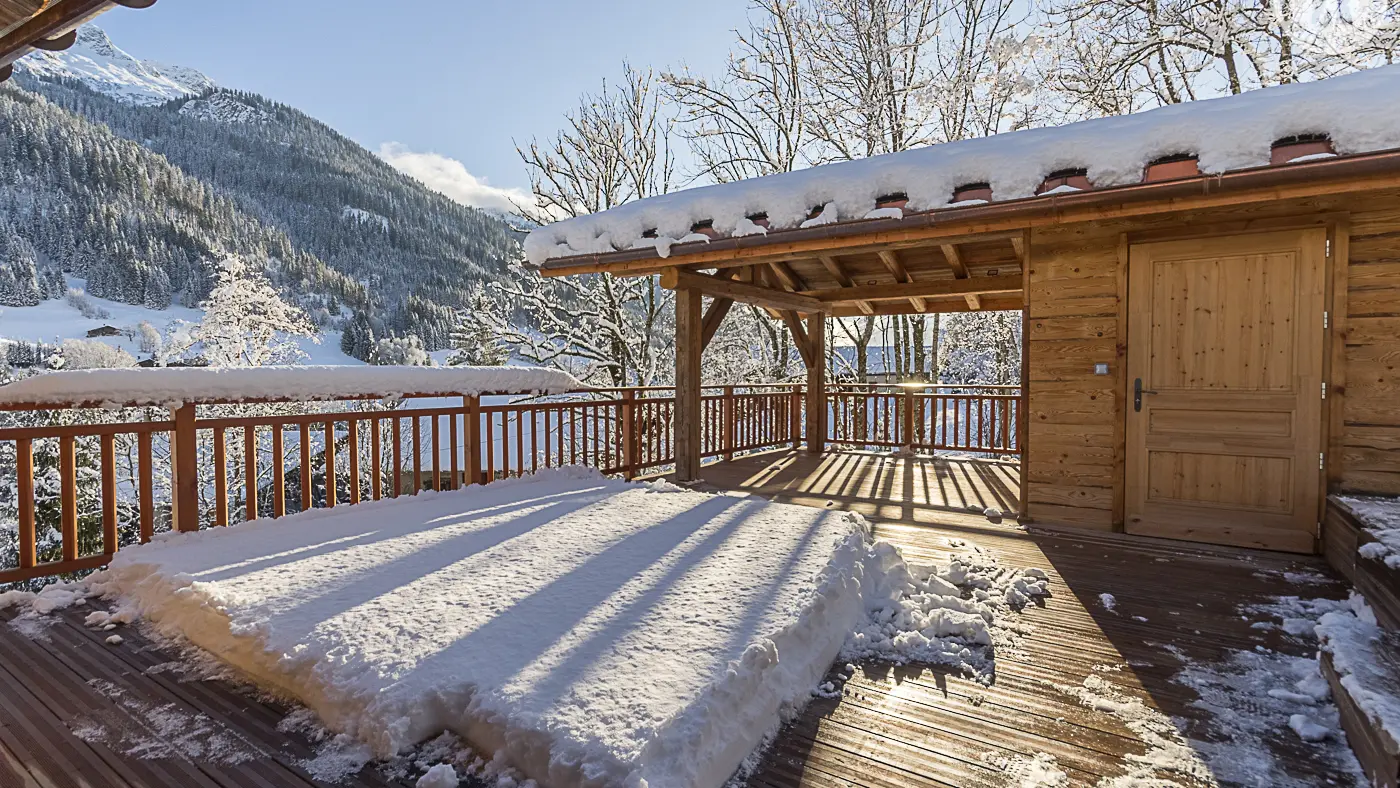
[
  {"x": 1360, "y": 113},
  {"x": 177, "y": 385},
  {"x": 586, "y": 631},
  {"x": 1363, "y": 655}
]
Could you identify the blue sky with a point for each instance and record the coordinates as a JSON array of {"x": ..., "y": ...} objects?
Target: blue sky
[{"x": 458, "y": 78}]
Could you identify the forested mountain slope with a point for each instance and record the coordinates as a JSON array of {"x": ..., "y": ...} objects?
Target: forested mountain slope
[{"x": 141, "y": 194}]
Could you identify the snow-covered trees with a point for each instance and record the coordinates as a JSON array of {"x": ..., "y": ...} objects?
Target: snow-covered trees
[
  {"x": 246, "y": 323},
  {"x": 475, "y": 341},
  {"x": 400, "y": 352}
]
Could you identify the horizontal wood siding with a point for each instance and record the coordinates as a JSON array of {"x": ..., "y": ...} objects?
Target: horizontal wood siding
[
  {"x": 1072, "y": 461},
  {"x": 1370, "y": 444},
  {"x": 1074, "y": 449}
]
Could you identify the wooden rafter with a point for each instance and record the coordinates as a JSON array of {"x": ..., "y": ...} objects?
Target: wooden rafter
[
  {"x": 991, "y": 303},
  {"x": 716, "y": 287},
  {"x": 955, "y": 261},
  {"x": 787, "y": 276},
  {"x": 842, "y": 278},
  {"x": 981, "y": 285},
  {"x": 891, "y": 260}
]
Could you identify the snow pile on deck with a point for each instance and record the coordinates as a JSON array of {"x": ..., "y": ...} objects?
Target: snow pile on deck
[
  {"x": 588, "y": 631},
  {"x": 1360, "y": 112},
  {"x": 1364, "y": 656},
  {"x": 176, "y": 385},
  {"x": 1381, "y": 518}
]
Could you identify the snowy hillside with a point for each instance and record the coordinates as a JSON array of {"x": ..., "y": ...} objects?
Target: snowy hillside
[
  {"x": 197, "y": 172},
  {"x": 103, "y": 66}
]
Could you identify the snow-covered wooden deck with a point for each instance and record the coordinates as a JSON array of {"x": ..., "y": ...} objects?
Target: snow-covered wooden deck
[{"x": 891, "y": 726}]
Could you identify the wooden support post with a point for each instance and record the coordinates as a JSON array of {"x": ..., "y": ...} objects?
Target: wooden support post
[
  {"x": 816, "y": 384},
  {"x": 471, "y": 421},
  {"x": 304, "y": 435},
  {"x": 688, "y": 350},
  {"x": 185, "y": 445},
  {"x": 629, "y": 434}
]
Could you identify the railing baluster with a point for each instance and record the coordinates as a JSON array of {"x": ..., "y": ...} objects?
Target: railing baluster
[
  {"x": 352, "y": 438},
  {"x": 452, "y": 448},
  {"x": 305, "y": 436},
  {"x": 434, "y": 421},
  {"x": 250, "y": 472},
  {"x": 417, "y": 433},
  {"x": 109, "y": 494},
  {"x": 68, "y": 486},
  {"x": 520, "y": 442},
  {"x": 28, "y": 539},
  {"x": 396, "y": 469},
  {"x": 279, "y": 476},
  {"x": 146, "y": 473},
  {"x": 376, "y": 460},
  {"x": 220, "y": 478},
  {"x": 330, "y": 464}
]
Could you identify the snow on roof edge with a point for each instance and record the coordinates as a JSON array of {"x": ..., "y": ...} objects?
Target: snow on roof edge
[
  {"x": 1359, "y": 112},
  {"x": 175, "y": 385}
]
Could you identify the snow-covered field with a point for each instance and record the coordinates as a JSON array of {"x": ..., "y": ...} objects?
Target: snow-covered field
[
  {"x": 55, "y": 320},
  {"x": 586, "y": 631}
]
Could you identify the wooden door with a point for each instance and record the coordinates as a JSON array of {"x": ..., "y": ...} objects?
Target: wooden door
[{"x": 1225, "y": 336}]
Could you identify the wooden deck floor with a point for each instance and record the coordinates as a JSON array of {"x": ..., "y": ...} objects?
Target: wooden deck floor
[
  {"x": 916, "y": 490},
  {"x": 917, "y": 727},
  {"x": 75, "y": 711}
]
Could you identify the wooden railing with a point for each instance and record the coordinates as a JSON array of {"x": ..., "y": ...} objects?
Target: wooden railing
[
  {"x": 975, "y": 419},
  {"x": 90, "y": 481}
]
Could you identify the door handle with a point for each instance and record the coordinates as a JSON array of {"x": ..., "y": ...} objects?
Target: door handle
[{"x": 1138, "y": 391}]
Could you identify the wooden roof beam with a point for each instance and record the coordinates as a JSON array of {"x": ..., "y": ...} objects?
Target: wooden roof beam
[
  {"x": 842, "y": 278},
  {"x": 980, "y": 285},
  {"x": 990, "y": 303},
  {"x": 676, "y": 279},
  {"x": 901, "y": 274},
  {"x": 955, "y": 261},
  {"x": 799, "y": 335}
]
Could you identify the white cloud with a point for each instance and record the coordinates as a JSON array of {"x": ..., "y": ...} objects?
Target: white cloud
[{"x": 448, "y": 176}]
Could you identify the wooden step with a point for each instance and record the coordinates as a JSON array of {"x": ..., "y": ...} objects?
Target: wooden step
[
  {"x": 1342, "y": 536},
  {"x": 1375, "y": 748}
]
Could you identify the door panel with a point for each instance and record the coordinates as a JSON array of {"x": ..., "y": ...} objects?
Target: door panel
[{"x": 1225, "y": 335}]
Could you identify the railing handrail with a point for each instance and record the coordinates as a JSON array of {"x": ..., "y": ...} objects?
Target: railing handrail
[{"x": 625, "y": 430}]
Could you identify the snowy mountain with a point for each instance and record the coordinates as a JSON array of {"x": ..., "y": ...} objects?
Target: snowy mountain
[
  {"x": 106, "y": 68},
  {"x": 139, "y": 179}
]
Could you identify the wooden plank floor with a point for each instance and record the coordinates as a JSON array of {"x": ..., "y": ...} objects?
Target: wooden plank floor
[
  {"x": 892, "y": 726},
  {"x": 919, "y": 726},
  {"x": 917, "y": 489},
  {"x": 78, "y": 713}
]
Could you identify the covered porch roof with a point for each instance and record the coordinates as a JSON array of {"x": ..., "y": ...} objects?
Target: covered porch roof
[{"x": 944, "y": 228}]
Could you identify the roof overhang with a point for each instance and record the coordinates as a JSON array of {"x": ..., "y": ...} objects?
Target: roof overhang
[
  {"x": 30, "y": 25},
  {"x": 1357, "y": 173}
]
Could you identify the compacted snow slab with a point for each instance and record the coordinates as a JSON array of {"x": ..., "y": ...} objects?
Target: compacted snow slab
[{"x": 595, "y": 632}]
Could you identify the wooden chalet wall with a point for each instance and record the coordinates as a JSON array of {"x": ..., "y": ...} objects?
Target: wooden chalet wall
[{"x": 1076, "y": 290}]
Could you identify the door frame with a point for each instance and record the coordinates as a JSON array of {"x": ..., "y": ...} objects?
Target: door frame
[{"x": 1335, "y": 264}]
